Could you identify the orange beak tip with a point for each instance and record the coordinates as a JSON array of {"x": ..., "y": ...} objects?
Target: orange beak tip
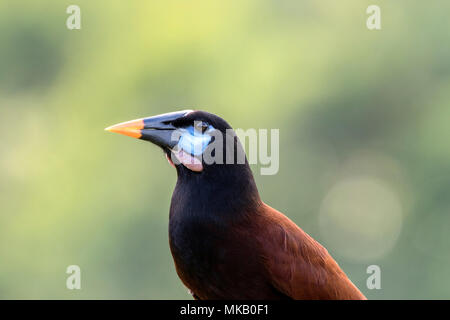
[{"x": 130, "y": 128}]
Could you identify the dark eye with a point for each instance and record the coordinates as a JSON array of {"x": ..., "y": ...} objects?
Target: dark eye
[{"x": 200, "y": 126}]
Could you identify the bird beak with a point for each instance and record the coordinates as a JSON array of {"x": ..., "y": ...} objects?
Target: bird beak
[{"x": 157, "y": 129}]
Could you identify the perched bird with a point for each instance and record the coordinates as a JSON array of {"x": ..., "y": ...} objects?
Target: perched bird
[{"x": 225, "y": 241}]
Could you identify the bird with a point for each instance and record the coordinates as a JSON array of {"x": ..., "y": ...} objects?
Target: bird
[{"x": 226, "y": 243}]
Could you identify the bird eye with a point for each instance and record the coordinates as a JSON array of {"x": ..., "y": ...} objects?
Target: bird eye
[{"x": 200, "y": 126}]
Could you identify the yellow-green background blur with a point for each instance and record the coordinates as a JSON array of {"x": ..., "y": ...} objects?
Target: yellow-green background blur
[{"x": 364, "y": 127}]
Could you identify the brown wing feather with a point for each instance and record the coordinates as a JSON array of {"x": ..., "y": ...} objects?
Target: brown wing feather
[{"x": 297, "y": 265}]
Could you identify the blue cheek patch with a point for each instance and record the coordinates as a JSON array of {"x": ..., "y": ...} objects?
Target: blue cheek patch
[{"x": 193, "y": 142}]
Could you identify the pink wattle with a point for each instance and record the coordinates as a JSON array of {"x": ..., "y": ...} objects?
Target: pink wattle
[{"x": 190, "y": 162}]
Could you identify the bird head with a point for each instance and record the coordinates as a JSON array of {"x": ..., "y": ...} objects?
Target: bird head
[
  {"x": 187, "y": 138},
  {"x": 211, "y": 165}
]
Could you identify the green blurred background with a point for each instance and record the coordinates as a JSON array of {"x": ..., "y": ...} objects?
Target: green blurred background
[{"x": 363, "y": 116}]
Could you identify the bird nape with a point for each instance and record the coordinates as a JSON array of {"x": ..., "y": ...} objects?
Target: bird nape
[{"x": 225, "y": 241}]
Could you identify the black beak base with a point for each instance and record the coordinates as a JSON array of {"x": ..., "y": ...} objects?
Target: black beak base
[{"x": 158, "y": 129}]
